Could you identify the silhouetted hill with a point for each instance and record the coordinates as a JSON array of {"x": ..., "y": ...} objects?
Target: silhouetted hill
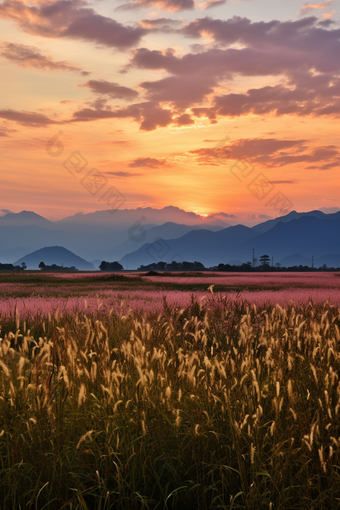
[
  {"x": 169, "y": 230},
  {"x": 309, "y": 236},
  {"x": 208, "y": 247},
  {"x": 306, "y": 235},
  {"x": 25, "y": 218},
  {"x": 293, "y": 215},
  {"x": 55, "y": 255}
]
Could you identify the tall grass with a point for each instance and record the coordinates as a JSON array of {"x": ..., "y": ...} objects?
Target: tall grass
[{"x": 221, "y": 406}]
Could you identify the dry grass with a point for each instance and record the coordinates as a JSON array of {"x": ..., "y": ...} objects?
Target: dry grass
[{"x": 201, "y": 408}]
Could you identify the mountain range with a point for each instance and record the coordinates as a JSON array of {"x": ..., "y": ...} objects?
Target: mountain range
[
  {"x": 95, "y": 236},
  {"x": 291, "y": 240},
  {"x": 298, "y": 236}
]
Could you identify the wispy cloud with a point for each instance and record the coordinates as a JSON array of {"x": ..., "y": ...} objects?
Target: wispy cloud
[
  {"x": 123, "y": 174},
  {"x": 148, "y": 163},
  {"x": 311, "y": 7},
  {"x": 29, "y": 56},
  {"x": 110, "y": 89},
  {"x": 30, "y": 119}
]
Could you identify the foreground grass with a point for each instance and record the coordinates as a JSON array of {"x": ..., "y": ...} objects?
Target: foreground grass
[{"x": 214, "y": 407}]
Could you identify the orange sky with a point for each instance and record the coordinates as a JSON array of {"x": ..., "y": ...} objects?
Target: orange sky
[{"x": 145, "y": 91}]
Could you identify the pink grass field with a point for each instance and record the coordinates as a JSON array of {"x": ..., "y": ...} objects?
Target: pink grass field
[{"x": 103, "y": 297}]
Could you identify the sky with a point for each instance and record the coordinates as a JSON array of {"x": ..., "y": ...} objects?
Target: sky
[{"x": 214, "y": 107}]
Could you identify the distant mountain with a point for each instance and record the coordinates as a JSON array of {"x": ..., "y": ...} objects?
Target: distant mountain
[
  {"x": 210, "y": 248},
  {"x": 125, "y": 218},
  {"x": 293, "y": 215},
  {"x": 137, "y": 236},
  {"x": 55, "y": 255},
  {"x": 308, "y": 235},
  {"x": 89, "y": 241},
  {"x": 304, "y": 234},
  {"x": 25, "y": 218},
  {"x": 129, "y": 236}
]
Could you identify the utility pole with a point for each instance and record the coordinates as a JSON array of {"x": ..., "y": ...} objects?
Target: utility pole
[
  {"x": 254, "y": 259},
  {"x": 312, "y": 262}
]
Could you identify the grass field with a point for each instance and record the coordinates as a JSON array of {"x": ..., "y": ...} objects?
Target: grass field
[{"x": 218, "y": 404}]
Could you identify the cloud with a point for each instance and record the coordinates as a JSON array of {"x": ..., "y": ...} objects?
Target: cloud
[
  {"x": 71, "y": 19},
  {"x": 213, "y": 3},
  {"x": 270, "y": 152},
  {"x": 148, "y": 163},
  {"x": 164, "y": 25},
  {"x": 184, "y": 120},
  {"x": 111, "y": 89},
  {"x": 311, "y": 7},
  {"x": 4, "y": 131},
  {"x": 149, "y": 114},
  {"x": 317, "y": 96},
  {"x": 302, "y": 53},
  {"x": 256, "y": 150},
  {"x": 122, "y": 143},
  {"x": 123, "y": 174},
  {"x": 179, "y": 90},
  {"x": 29, "y": 119},
  {"x": 165, "y": 5},
  {"x": 29, "y": 56}
]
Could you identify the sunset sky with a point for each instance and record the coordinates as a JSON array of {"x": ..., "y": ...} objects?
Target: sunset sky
[{"x": 219, "y": 106}]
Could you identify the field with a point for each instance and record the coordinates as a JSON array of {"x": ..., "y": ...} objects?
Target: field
[{"x": 163, "y": 392}]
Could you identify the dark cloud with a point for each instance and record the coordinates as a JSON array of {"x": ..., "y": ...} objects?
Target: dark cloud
[
  {"x": 123, "y": 174},
  {"x": 71, "y": 19},
  {"x": 184, "y": 120},
  {"x": 179, "y": 90},
  {"x": 257, "y": 150},
  {"x": 148, "y": 163},
  {"x": 111, "y": 89},
  {"x": 269, "y": 152},
  {"x": 304, "y": 52},
  {"x": 149, "y": 114},
  {"x": 314, "y": 97},
  {"x": 30, "y": 119},
  {"x": 29, "y": 56},
  {"x": 303, "y": 41}
]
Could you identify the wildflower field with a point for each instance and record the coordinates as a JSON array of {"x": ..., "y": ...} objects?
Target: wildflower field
[{"x": 202, "y": 399}]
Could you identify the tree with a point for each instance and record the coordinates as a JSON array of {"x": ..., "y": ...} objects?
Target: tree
[
  {"x": 115, "y": 266},
  {"x": 42, "y": 265},
  {"x": 23, "y": 265},
  {"x": 278, "y": 265},
  {"x": 110, "y": 266},
  {"x": 265, "y": 260}
]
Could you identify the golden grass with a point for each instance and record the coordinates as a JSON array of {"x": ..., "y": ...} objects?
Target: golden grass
[{"x": 199, "y": 408}]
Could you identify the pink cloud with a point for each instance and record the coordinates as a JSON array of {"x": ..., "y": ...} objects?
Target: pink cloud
[
  {"x": 29, "y": 56},
  {"x": 70, "y": 19},
  {"x": 165, "y": 5},
  {"x": 311, "y": 7},
  {"x": 111, "y": 89}
]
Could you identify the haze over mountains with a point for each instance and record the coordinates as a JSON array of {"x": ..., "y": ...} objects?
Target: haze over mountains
[
  {"x": 96, "y": 235},
  {"x": 151, "y": 237}
]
